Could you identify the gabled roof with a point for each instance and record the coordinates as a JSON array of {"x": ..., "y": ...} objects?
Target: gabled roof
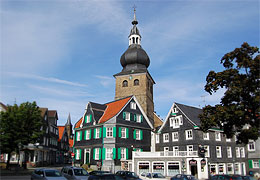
[
  {"x": 113, "y": 108},
  {"x": 191, "y": 113},
  {"x": 78, "y": 123},
  {"x": 43, "y": 111},
  {"x": 3, "y": 106},
  {"x": 61, "y": 132},
  {"x": 53, "y": 113},
  {"x": 97, "y": 109}
]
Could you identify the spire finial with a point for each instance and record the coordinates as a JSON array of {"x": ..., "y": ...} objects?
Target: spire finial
[{"x": 134, "y": 22}]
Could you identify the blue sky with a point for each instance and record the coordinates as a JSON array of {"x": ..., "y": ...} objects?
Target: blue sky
[{"x": 63, "y": 53}]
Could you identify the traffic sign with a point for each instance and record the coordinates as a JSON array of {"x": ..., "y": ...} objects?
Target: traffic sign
[{"x": 72, "y": 154}]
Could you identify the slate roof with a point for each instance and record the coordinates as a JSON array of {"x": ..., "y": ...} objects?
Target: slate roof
[
  {"x": 98, "y": 110},
  {"x": 52, "y": 113},
  {"x": 191, "y": 112},
  {"x": 43, "y": 111}
]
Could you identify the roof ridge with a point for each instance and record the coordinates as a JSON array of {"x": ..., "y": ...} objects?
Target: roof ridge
[
  {"x": 188, "y": 106},
  {"x": 119, "y": 99}
]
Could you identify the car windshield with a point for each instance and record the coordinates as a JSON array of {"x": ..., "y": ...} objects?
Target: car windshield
[
  {"x": 131, "y": 174},
  {"x": 236, "y": 177},
  {"x": 52, "y": 173},
  {"x": 157, "y": 175},
  {"x": 80, "y": 172}
]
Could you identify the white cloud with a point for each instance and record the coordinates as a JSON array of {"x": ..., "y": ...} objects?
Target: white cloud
[{"x": 105, "y": 81}]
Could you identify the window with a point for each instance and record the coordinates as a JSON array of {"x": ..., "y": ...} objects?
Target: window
[
  {"x": 188, "y": 134},
  {"x": 87, "y": 135},
  {"x": 97, "y": 153},
  {"x": 77, "y": 154},
  {"x": 125, "y": 83},
  {"x": 242, "y": 152},
  {"x": 175, "y": 150},
  {"x": 138, "y": 134},
  {"x": 78, "y": 136},
  {"x": 123, "y": 153},
  {"x": 175, "y": 136},
  {"x": 237, "y": 152},
  {"x": 228, "y": 139},
  {"x": 157, "y": 138},
  {"x": 205, "y": 136},
  {"x": 217, "y": 136},
  {"x": 166, "y": 137},
  {"x": 175, "y": 122},
  {"x": 109, "y": 153},
  {"x": 251, "y": 146},
  {"x": 87, "y": 118},
  {"x": 133, "y": 105},
  {"x": 109, "y": 132},
  {"x": 207, "y": 153},
  {"x": 126, "y": 116},
  {"x": 190, "y": 149},
  {"x": 123, "y": 132},
  {"x": 256, "y": 164},
  {"x": 218, "y": 151},
  {"x": 230, "y": 168},
  {"x": 97, "y": 133},
  {"x": 229, "y": 152},
  {"x": 136, "y": 82},
  {"x": 139, "y": 118}
]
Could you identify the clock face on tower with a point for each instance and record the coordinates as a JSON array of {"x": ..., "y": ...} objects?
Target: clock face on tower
[{"x": 130, "y": 77}]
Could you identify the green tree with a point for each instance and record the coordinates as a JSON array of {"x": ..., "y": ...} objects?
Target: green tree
[
  {"x": 238, "y": 111},
  {"x": 19, "y": 125}
]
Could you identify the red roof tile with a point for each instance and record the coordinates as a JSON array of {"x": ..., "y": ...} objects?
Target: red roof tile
[
  {"x": 79, "y": 122},
  {"x": 61, "y": 130},
  {"x": 71, "y": 142},
  {"x": 113, "y": 108}
]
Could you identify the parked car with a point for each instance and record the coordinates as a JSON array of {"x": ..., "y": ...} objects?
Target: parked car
[
  {"x": 47, "y": 174},
  {"x": 74, "y": 173},
  {"x": 99, "y": 172},
  {"x": 183, "y": 177},
  {"x": 154, "y": 176},
  {"x": 226, "y": 177},
  {"x": 248, "y": 178},
  {"x": 105, "y": 176},
  {"x": 128, "y": 175}
]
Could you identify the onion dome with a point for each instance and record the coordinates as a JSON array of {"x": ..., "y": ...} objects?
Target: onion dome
[{"x": 135, "y": 57}]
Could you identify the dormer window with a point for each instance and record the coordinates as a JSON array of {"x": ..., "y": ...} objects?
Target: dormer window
[
  {"x": 136, "y": 82},
  {"x": 125, "y": 83},
  {"x": 133, "y": 105}
]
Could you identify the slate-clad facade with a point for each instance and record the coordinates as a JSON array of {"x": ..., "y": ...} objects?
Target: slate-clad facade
[{"x": 108, "y": 133}]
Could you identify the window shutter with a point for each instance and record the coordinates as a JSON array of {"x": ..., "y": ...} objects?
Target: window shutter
[
  {"x": 76, "y": 134},
  {"x": 114, "y": 153},
  {"x": 126, "y": 150},
  {"x": 85, "y": 135},
  {"x": 250, "y": 163},
  {"x": 94, "y": 134},
  {"x": 104, "y": 153},
  {"x": 134, "y": 149},
  {"x": 99, "y": 154},
  {"x": 79, "y": 153},
  {"x": 119, "y": 153},
  {"x": 135, "y": 117},
  {"x": 114, "y": 131},
  {"x": 104, "y": 132},
  {"x": 100, "y": 131},
  {"x": 134, "y": 134},
  {"x": 141, "y": 134},
  {"x": 119, "y": 132},
  {"x": 141, "y": 150},
  {"x": 142, "y": 118},
  {"x": 94, "y": 152},
  {"x": 85, "y": 118},
  {"x": 124, "y": 115},
  {"x": 90, "y": 131},
  {"x": 80, "y": 135},
  {"x": 131, "y": 117},
  {"x": 90, "y": 118},
  {"x": 127, "y": 132}
]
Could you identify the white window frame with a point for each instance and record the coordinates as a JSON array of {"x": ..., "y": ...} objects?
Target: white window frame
[
  {"x": 229, "y": 152},
  {"x": 123, "y": 153},
  {"x": 232, "y": 168},
  {"x": 88, "y": 118},
  {"x": 228, "y": 139},
  {"x": 256, "y": 164},
  {"x": 217, "y": 136},
  {"x": 237, "y": 152},
  {"x": 78, "y": 136},
  {"x": 157, "y": 138},
  {"x": 127, "y": 116},
  {"x": 174, "y": 135},
  {"x": 251, "y": 146},
  {"x": 189, "y": 149},
  {"x": 137, "y": 134},
  {"x": 166, "y": 137},
  {"x": 123, "y": 132},
  {"x": 87, "y": 134},
  {"x": 97, "y": 133},
  {"x": 218, "y": 152},
  {"x": 109, "y": 151},
  {"x": 138, "y": 118},
  {"x": 132, "y": 105},
  {"x": 96, "y": 153},
  {"x": 242, "y": 152},
  {"x": 77, "y": 154},
  {"x": 109, "y": 133},
  {"x": 206, "y": 136},
  {"x": 189, "y": 134},
  {"x": 207, "y": 153},
  {"x": 175, "y": 150}
]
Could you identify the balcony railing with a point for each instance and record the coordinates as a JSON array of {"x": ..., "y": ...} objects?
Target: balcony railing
[{"x": 166, "y": 153}]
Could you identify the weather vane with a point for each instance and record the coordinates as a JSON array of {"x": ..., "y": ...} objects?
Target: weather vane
[{"x": 134, "y": 7}]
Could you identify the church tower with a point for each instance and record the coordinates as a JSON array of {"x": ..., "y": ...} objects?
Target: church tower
[
  {"x": 134, "y": 79},
  {"x": 68, "y": 126}
]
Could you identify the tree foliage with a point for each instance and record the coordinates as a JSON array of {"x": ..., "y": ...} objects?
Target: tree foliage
[
  {"x": 19, "y": 124},
  {"x": 238, "y": 111}
]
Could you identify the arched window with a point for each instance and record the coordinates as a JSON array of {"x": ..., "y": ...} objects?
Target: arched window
[
  {"x": 136, "y": 82},
  {"x": 125, "y": 83},
  {"x": 133, "y": 40},
  {"x": 137, "y": 40}
]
